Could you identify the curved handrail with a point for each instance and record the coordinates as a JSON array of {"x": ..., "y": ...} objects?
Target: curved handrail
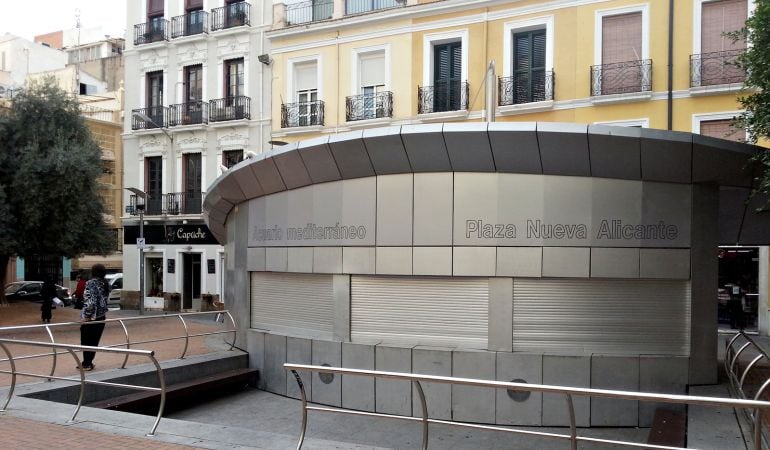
[
  {"x": 72, "y": 349},
  {"x": 758, "y": 406}
]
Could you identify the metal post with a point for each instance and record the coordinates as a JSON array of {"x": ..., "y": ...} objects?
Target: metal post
[{"x": 141, "y": 258}]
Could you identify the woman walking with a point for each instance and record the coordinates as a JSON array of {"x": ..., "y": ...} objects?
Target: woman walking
[
  {"x": 47, "y": 293},
  {"x": 93, "y": 314}
]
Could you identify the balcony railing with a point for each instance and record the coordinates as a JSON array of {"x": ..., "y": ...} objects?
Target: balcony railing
[
  {"x": 230, "y": 108},
  {"x": 174, "y": 203},
  {"x": 149, "y": 118},
  {"x": 230, "y": 16},
  {"x": 190, "y": 24},
  {"x": 155, "y": 30},
  {"x": 621, "y": 78},
  {"x": 312, "y": 11},
  {"x": 369, "y": 106},
  {"x": 443, "y": 96},
  {"x": 708, "y": 69},
  {"x": 523, "y": 88},
  {"x": 190, "y": 113},
  {"x": 302, "y": 114},
  {"x": 363, "y": 6}
]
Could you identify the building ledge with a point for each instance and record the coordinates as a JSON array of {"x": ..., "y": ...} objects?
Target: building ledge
[
  {"x": 229, "y": 123},
  {"x": 630, "y": 97},
  {"x": 149, "y": 131},
  {"x": 298, "y": 130},
  {"x": 151, "y": 45},
  {"x": 190, "y": 38},
  {"x": 228, "y": 31},
  {"x": 523, "y": 108},
  {"x": 368, "y": 123},
  {"x": 716, "y": 89},
  {"x": 191, "y": 127},
  {"x": 443, "y": 116}
]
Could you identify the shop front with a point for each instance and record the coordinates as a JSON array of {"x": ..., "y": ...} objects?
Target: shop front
[{"x": 550, "y": 253}]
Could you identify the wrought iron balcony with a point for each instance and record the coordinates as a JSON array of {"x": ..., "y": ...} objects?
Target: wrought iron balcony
[
  {"x": 708, "y": 69},
  {"x": 369, "y": 106},
  {"x": 311, "y": 11},
  {"x": 230, "y": 108},
  {"x": 174, "y": 203},
  {"x": 231, "y": 16},
  {"x": 302, "y": 114},
  {"x": 190, "y": 113},
  {"x": 155, "y": 30},
  {"x": 149, "y": 118},
  {"x": 621, "y": 78},
  {"x": 443, "y": 96},
  {"x": 523, "y": 88},
  {"x": 363, "y": 6},
  {"x": 190, "y": 24}
]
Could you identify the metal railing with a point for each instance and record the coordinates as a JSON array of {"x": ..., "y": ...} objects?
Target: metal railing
[
  {"x": 190, "y": 113},
  {"x": 364, "y": 6},
  {"x": 71, "y": 349},
  {"x": 707, "y": 69},
  {"x": 155, "y": 30},
  {"x": 522, "y": 88},
  {"x": 369, "y": 106},
  {"x": 190, "y": 24},
  {"x": 231, "y": 16},
  {"x": 311, "y": 11},
  {"x": 443, "y": 96},
  {"x": 302, "y": 114},
  {"x": 755, "y": 361},
  {"x": 173, "y": 203},
  {"x": 621, "y": 78},
  {"x": 759, "y": 407},
  {"x": 230, "y": 108},
  {"x": 157, "y": 115}
]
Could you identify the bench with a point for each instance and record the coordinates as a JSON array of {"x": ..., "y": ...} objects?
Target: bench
[
  {"x": 668, "y": 428},
  {"x": 181, "y": 395}
]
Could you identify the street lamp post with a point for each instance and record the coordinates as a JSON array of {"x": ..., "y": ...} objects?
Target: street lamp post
[{"x": 140, "y": 195}]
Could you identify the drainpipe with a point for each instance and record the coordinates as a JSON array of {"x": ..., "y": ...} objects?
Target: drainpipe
[
  {"x": 670, "y": 64},
  {"x": 489, "y": 106}
]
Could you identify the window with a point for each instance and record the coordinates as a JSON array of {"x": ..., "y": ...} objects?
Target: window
[
  {"x": 622, "y": 53},
  {"x": 234, "y": 78},
  {"x": 447, "y": 77},
  {"x": 155, "y": 24},
  {"x": 192, "y": 109},
  {"x": 153, "y": 185},
  {"x": 306, "y": 93},
  {"x": 528, "y": 82},
  {"x": 235, "y": 13},
  {"x": 231, "y": 157},
  {"x": 154, "y": 99},
  {"x": 716, "y": 63},
  {"x": 191, "y": 166},
  {"x": 194, "y": 17},
  {"x": 722, "y": 129},
  {"x": 372, "y": 84}
]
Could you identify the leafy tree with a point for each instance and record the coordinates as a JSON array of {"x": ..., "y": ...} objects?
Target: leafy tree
[
  {"x": 756, "y": 61},
  {"x": 49, "y": 165}
]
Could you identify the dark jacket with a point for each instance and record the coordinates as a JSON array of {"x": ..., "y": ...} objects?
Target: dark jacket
[{"x": 47, "y": 293}]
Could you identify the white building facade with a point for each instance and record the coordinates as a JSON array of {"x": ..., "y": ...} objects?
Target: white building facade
[{"x": 196, "y": 104}]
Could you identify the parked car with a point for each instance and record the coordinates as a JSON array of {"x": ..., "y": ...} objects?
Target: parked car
[
  {"x": 115, "y": 283},
  {"x": 30, "y": 290}
]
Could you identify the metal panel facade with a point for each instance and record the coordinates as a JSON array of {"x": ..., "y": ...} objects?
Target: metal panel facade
[
  {"x": 420, "y": 311},
  {"x": 601, "y": 316},
  {"x": 283, "y": 302}
]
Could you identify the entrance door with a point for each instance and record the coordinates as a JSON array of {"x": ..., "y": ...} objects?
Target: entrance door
[
  {"x": 738, "y": 293},
  {"x": 191, "y": 279}
]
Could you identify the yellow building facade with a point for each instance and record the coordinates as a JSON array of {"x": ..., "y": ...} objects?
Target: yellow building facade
[{"x": 590, "y": 61}]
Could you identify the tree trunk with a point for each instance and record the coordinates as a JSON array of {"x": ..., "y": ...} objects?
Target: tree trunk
[{"x": 3, "y": 270}]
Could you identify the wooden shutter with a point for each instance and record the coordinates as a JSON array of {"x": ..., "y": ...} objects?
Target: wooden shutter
[
  {"x": 622, "y": 38},
  {"x": 722, "y": 129},
  {"x": 154, "y": 8},
  {"x": 192, "y": 5},
  {"x": 721, "y": 17}
]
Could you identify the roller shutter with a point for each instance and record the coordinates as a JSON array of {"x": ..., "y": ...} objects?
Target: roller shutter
[
  {"x": 292, "y": 303},
  {"x": 420, "y": 311},
  {"x": 601, "y": 316}
]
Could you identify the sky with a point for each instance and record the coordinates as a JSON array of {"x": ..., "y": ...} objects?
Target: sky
[{"x": 28, "y": 18}]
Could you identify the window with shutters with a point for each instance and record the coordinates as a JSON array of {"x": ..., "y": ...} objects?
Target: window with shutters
[
  {"x": 371, "y": 97},
  {"x": 194, "y": 17},
  {"x": 193, "y": 180},
  {"x": 154, "y": 98},
  {"x": 622, "y": 53},
  {"x": 715, "y": 61},
  {"x": 528, "y": 80},
  {"x": 307, "y": 108},
  {"x": 153, "y": 184},
  {"x": 447, "y": 73},
  {"x": 722, "y": 129}
]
